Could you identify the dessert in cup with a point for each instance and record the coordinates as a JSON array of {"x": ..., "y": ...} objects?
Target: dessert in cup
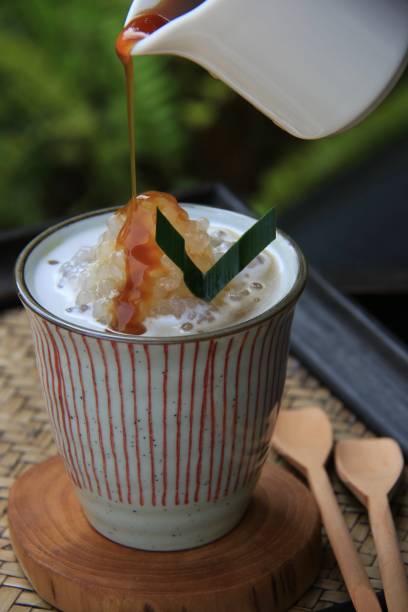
[{"x": 161, "y": 404}]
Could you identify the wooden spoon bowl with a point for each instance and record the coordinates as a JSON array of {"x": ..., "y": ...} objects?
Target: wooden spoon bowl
[
  {"x": 303, "y": 437},
  {"x": 370, "y": 465}
]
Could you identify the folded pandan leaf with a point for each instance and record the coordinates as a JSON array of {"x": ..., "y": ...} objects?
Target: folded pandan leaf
[{"x": 206, "y": 285}]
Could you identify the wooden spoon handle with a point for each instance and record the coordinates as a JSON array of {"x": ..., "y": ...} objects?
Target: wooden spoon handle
[
  {"x": 355, "y": 577},
  {"x": 392, "y": 569}
]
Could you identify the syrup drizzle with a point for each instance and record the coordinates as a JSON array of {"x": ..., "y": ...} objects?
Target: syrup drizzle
[
  {"x": 135, "y": 31},
  {"x": 143, "y": 258},
  {"x": 135, "y": 237}
]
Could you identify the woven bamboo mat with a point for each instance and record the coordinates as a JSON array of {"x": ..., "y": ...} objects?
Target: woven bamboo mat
[{"x": 25, "y": 439}]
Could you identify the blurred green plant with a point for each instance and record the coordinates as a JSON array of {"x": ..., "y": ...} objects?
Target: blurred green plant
[
  {"x": 62, "y": 112},
  {"x": 64, "y": 148}
]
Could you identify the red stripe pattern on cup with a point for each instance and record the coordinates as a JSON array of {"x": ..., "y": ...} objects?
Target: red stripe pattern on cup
[{"x": 163, "y": 424}]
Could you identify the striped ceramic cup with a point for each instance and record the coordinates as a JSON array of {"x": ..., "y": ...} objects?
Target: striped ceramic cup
[{"x": 163, "y": 438}]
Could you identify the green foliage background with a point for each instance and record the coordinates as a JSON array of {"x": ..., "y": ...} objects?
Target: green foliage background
[{"x": 63, "y": 145}]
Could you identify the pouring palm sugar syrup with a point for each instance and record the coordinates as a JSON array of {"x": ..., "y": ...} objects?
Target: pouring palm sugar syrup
[
  {"x": 126, "y": 280},
  {"x": 137, "y": 29},
  {"x": 143, "y": 258}
]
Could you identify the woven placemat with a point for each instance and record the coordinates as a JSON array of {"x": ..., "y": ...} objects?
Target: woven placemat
[{"x": 25, "y": 439}]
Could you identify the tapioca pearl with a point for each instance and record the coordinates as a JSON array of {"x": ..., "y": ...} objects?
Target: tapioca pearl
[
  {"x": 187, "y": 327},
  {"x": 245, "y": 292},
  {"x": 206, "y": 317},
  {"x": 258, "y": 261},
  {"x": 219, "y": 235},
  {"x": 79, "y": 309},
  {"x": 257, "y": 285},
  {"x": 235, "y": 297},
  {"x": 203, "y": 224}
]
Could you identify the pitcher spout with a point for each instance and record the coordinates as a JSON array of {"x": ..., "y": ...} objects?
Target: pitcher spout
[{"x": 174, "y": 37}]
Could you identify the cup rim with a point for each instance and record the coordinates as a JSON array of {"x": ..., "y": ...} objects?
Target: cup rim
[{"x": 32, "y": 304}]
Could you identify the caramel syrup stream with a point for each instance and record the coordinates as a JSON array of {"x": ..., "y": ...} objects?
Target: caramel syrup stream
[
  {"x": 135, "y": 239},
  {"x": 131, "y": 128},
  {"x": 136, "y": 30}
]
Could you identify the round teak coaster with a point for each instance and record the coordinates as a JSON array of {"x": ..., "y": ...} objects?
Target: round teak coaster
[{"x": 265, "y": 564}]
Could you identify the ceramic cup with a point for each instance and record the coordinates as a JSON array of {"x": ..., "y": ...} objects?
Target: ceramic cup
[{"x": 163, "y": 438}]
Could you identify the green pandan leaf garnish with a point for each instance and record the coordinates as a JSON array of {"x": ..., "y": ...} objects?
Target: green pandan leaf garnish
[{"x": 206, "y": 285}]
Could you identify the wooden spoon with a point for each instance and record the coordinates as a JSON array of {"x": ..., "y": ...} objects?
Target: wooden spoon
[
  {"x": 371, "y": 469},
  {"x": 304, "y": 438}
]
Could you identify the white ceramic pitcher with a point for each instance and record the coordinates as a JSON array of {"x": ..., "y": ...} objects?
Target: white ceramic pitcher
[{"x": 315, "y": 67}]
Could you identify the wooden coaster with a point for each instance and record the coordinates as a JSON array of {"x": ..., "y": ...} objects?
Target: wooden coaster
[{"x": 264, "y": 564}]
